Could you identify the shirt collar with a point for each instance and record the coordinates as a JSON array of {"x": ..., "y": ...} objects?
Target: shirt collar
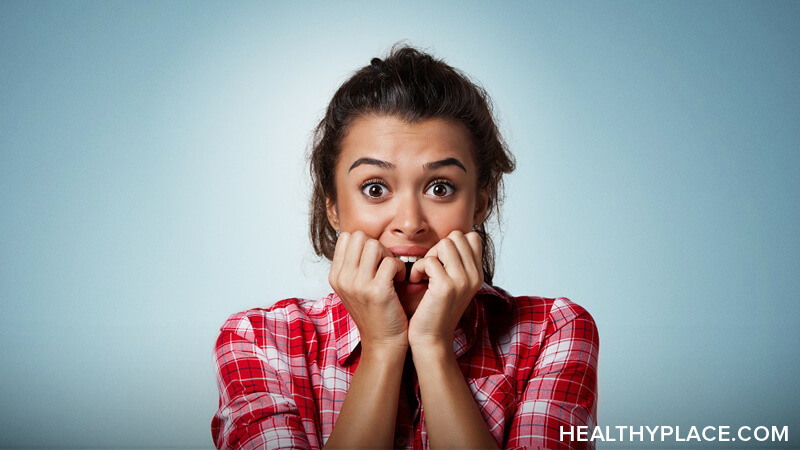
[
  {"x": 347, "y": 337},
  {"x": 474, "y": 318},
  {"x": 495, "y": 294}
]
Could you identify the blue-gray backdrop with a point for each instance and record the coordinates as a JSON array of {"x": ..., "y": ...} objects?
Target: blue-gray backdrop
[{"x": 152, "y": 182}]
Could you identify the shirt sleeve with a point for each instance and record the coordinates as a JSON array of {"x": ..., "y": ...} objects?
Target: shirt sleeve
[
  {"x": 256, "y": 408},
  {"x": 561, "y": 394}
]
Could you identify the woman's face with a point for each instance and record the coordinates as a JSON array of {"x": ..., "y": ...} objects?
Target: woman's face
[{"x": 407, "y": 186}]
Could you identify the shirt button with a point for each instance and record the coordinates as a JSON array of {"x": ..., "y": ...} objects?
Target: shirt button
[{"x": 400, "y": 441}]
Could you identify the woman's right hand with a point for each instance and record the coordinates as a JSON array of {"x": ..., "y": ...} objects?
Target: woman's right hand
[{"x": 362, "y": 274}]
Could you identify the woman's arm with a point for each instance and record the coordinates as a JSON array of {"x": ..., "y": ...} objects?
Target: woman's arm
[
  {"x": 369, "y": 412},
  {"x": 454, "y": 271},
  {"x": 452, "y": 417},
  {"x": 257, "y": 407},
  {"x": 562, "y": 390},
  {"x": 362, "y": 274}
]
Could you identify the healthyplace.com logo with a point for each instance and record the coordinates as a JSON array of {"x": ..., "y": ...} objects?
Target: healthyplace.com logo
[{"x": 626, "y": 433}]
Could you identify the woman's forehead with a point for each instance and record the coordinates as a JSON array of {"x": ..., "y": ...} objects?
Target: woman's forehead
[{"x": 398, "y": 142}]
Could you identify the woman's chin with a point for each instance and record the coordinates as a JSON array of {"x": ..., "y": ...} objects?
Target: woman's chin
[{"x": 410, "y": 295}]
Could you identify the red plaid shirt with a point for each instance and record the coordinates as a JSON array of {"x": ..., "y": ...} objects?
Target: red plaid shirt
[{"x": 283, "y": 372}]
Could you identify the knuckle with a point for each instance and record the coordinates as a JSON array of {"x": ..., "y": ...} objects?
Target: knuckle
[
  {"x": 477, "y": 244},
  {"x": 372, "y": 245},
  {"x": 390, "y": 261},
  {"x": 346, "y": 281},
  {"x": 477, "y": 279},
  {"x": 475, "y": 274},
  {"x": 358, "y": 283},
  {"x": 372, "y": 290}
]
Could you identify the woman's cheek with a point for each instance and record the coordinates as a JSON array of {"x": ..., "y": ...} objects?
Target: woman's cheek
[
  {"x": 370, "y": 220},
  {"x": 445, "y": 223}
]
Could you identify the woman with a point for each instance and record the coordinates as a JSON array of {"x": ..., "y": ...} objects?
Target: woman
[{"x": 415, "y": 347}]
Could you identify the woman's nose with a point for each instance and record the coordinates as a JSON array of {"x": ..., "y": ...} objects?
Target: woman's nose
[{"x": 409, "y": 218}]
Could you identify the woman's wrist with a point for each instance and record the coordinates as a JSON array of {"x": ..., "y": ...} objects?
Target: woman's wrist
[
  {"x": 385, "y": 349},
  {"x": 427, "y": 352},
  {"x": 429, "y": 341}
]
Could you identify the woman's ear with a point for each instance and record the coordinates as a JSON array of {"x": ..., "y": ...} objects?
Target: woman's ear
[
  {"x": 333, "y": 214},
  {"x": 481, "y": 207}
]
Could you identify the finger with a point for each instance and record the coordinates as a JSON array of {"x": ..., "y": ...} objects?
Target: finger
[
  {"x": 451, "y": 259},
  {"x": 470, "y": 255},
  {"x": 389, "y": 269},
  {"x": 338, "y": 256},
  {"x": 419, "y": 270},
  {"x": 371, "y": 256},
  {"x": 400, "y": 271},
  {"x": 352, "y": 255},
  {"x": 400, "y": 275},
  {"x": 428, "y": 267},
  {"x": 433, "y": 251},
  {"x": 476, "y": 243},
  {"x": 465, "y": 250}
]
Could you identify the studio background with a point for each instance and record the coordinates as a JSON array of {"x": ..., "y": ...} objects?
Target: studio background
[{"x": 153, "y": 182}]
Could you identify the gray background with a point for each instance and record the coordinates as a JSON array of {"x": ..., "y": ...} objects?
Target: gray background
[{"x": 152, "y": 182}]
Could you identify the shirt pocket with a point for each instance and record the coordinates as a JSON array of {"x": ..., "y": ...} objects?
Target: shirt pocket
[{"x": 495, "y": 398}]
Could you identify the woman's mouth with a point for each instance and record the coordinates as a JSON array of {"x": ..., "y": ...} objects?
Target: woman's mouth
[
  {"x": 405, "y": 288},
  {"x": 408, "y": 255},
  {"x": 409, "y": 259},
  {"x": 409, "y": 262}
]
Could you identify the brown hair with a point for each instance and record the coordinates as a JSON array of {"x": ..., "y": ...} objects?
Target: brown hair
[{"x": 413, "y": 86}]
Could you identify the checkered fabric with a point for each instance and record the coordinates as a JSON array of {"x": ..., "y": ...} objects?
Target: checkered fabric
[{"x": 283, "y": 372}]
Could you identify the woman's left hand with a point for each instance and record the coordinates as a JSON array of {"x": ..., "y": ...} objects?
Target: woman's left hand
[{"x": 454, "y": 271}]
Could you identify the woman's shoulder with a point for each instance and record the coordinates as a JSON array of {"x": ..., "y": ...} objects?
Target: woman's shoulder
[
  {"x": 285, "y": 317},
  {"x": 552, "y": 312}
]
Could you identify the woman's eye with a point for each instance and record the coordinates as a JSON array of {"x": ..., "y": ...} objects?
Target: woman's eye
[
  {"x": 374, "y": 190},
  {"x": 441, "y": 190}
]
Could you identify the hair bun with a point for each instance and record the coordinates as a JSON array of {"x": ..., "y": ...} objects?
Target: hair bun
[{"x": 376, "y": 62}]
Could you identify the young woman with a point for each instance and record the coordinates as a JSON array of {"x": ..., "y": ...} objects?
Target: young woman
[{"x": 415, "y": 347}]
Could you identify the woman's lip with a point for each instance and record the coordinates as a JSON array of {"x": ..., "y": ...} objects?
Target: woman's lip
[{"x": 409, "y": 250}]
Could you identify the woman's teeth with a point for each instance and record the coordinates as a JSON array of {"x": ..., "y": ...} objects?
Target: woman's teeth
[{"x": 409, "y": 259}]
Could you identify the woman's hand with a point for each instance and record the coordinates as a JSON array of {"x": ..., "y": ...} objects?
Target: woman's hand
[
  {"x": 362, "y": 274},
  {"x": 454, "y": 271}
]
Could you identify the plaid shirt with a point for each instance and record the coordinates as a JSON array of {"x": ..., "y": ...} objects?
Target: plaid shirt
[{"x": 283, "y": 372}]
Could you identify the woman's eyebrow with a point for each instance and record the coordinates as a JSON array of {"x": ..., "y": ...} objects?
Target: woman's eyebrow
[
  {"x": 374, "y": 162},
  {"x": 428, "y": 166},
  {"x": 444, "y": 162}
]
